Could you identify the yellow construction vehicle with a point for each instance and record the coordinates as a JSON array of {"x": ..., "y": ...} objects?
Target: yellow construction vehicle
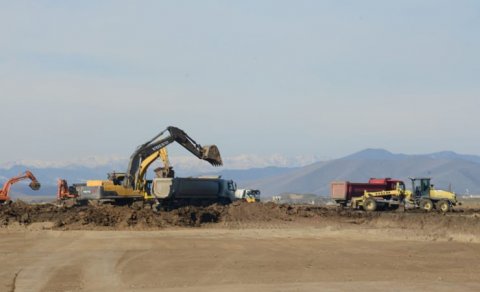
[
  {"x": 387, "y": 199},
  {"x": 423, "y": 196},
  {"x": 247, "y": 195},
  {"x": 132, "y": 185}
]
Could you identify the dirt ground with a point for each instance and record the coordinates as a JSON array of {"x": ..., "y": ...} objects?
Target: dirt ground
[{"x": 259, "y": 247}]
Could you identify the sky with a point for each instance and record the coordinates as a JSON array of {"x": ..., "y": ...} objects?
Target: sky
[{"x": 291, "y": 78}]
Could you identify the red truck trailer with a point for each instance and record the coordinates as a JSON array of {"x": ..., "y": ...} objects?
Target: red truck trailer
[{"x": 342, "y": 192}]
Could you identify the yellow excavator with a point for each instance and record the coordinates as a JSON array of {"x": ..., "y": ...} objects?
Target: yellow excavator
[{"x": 132, "y": 184}]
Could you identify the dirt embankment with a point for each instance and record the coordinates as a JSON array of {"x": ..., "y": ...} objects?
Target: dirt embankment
[
  {"x": 87, "y": 217},
  {"x": 236, "y": 214}
]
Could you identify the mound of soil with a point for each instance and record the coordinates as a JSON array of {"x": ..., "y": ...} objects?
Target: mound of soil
[
  {"x": 87, "y": 217},
  {"x": 125, "y": 217},
  {"x": 84, "y": 217}
]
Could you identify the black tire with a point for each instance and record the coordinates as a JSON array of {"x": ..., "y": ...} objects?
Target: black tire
[
  {"x": 426, "y": 205},
  {"x": 369, "y": 205},
  {"x": 443, "y": 206}
]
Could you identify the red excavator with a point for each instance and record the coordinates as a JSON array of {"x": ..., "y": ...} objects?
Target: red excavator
[
  {"x": 63, "y": 191},
  {"x": 5, "y": 191}
]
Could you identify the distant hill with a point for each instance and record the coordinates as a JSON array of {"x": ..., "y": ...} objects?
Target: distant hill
[
  {"x": 247, "y": 175},
  {"x": 448, "y": 169}
]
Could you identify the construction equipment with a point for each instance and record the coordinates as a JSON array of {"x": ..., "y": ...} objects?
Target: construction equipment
[
  {"x": 425, "y": 196},
  {"x": 167, "y": 170},
  {"x": 377, "y": 193},
  {"x": 387, "y": 193},
  {"x": 5, "y": 191},
  {"x": 132, "y": 184},
  {"x": 181, "y": 191},
  {"x": 345, "y": 192},
  {"x": 386, "y": 199},
  {"x": 64, "y": 191},
  {"x": 247, "y": 195}
]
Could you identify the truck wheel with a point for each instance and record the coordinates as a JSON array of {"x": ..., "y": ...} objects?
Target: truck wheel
[
  {"x": 369, "y": 205},
  {"x": 443, "y": 206},
  {"x": 426, "y": 205}
]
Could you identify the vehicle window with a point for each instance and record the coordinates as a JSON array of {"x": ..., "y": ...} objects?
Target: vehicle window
[{"x": 232, "y": 186}]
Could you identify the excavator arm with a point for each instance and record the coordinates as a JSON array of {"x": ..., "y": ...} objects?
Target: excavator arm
[
  {"x": 145, "y": 164},
  {"x": 5, "y": 191},
  {"x": 148, "y": 152}
]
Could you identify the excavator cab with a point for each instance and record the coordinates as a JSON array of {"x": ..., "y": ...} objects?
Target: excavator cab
[{"x": 116, "y": 177}]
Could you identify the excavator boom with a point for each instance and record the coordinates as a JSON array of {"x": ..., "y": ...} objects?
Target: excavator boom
[
  {"x": 5, "y": 191},
  {"x": 148, "y": 152}
]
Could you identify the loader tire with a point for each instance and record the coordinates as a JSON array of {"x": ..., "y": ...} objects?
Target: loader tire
[
  {"x": 443, "y": 206},
  {"x": 370, "y": 205},
  {"x": 426, "y": 205}
]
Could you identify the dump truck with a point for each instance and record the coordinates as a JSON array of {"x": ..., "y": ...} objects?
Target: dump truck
[
  {"x": 387, "y": 193},
  {"x": 345, "y": 192},
  {"x": 193, "y": 190}
]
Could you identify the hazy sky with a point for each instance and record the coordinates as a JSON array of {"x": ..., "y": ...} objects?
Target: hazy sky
[{"x": 325, "y": 78}]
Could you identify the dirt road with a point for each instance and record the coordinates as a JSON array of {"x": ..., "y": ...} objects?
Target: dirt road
[{"x": 270, "y": 257}]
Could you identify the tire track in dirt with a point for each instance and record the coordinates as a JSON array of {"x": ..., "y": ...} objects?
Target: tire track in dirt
[{"x": 14, "y": 281}]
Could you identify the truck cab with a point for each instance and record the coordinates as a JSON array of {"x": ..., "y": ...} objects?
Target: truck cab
[{"x": 248, "y": 195}]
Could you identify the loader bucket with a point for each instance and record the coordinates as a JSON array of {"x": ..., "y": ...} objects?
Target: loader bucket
[
  {"x": 212, "y": 155},
  {"x": 34, "y": 185}
]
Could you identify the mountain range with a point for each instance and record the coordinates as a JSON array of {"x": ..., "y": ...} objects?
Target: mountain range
[{"x": 449, "y": 170}]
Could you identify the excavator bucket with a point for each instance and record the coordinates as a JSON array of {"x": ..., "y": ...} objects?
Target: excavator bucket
[
  {"x": 34, "y": 185},
  {"x": 212, "y": 155}
]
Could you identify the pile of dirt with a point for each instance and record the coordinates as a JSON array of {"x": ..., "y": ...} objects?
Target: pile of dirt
[
  {"x": 109, "y": 216},
  {"x": 92, "y": 216},
  {"x": 244, "y": 212},
  {"x": 236, "y": 214},
  {"x": 105, "y": 216}
]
